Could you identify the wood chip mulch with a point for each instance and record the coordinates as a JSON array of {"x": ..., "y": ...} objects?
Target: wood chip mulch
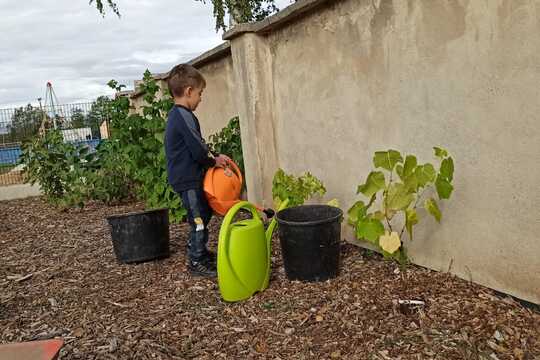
[{"x": 59, "y": 278}]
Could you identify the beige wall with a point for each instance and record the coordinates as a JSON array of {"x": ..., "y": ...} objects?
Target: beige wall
[
  {"x": 218, "y": 104},
  {"x": 361, "y": 76}
]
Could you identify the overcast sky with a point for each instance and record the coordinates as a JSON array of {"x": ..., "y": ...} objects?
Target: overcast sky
[{"x": 69, "y": 44}]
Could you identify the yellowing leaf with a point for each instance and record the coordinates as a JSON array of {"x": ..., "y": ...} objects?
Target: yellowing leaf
[
  {"x": 440, "y": 152},
  {"x": 333, "y": 202},
  {"x": 374, "y": 182},
  {"x": 390, "y": 214},
  {"x": 411, "y": 219},
  {"x": 432, "y": 207},
  {"x": 390, "y": 242}
]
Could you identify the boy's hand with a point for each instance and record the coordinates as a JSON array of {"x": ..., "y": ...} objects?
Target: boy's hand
[{"x": 222, "y": 160}]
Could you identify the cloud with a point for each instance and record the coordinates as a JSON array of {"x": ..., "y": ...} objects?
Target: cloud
[{"x": 68, "y": 43}]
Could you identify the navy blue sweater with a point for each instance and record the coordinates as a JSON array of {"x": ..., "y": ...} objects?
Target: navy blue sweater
[{"x": 186, "y": 152}]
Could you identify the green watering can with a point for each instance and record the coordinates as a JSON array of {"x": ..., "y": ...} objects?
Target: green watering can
[{"x": 243, "y": 255}]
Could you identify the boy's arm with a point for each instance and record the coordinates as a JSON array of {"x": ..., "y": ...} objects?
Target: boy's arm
[{"x": 195, "y": 144}]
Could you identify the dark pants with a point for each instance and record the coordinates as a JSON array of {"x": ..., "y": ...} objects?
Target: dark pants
[{"x": 199, "y": 215}]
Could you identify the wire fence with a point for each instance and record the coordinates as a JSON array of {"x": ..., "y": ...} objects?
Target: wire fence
[{"x": 80, "y": 123}]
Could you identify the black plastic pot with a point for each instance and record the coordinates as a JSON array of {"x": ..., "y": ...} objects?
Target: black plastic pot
[
  {"x": 310, "y": 238},
  {"x": 140, "y": 236}
]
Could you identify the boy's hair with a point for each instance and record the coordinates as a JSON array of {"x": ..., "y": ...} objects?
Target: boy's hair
[{"x": 183, "y": 76}]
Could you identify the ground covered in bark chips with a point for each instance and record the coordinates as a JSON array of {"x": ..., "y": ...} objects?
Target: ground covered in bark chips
[{"x": 59, "y": 278}]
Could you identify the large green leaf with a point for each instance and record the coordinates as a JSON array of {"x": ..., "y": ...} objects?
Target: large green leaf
[
  {"x": 411, "y": 219},
  {"x": 399, "y": 171},
  {"x": 432, "y": 207},
  {"x": 356, "y": 212},
  {"x": 369, "y": 229},
  {"x": 398, "y": 197},
  {"x": 425, "y": 174},
  {"x": 411, "y": 183},
  {"x": 407, "y": 173},
  {"x": 444, "y": 188},
  {"x": 387, "y": 159},
  {"x": 407, "y": 169},
  {"x": 374, "y": 182},
  {"x": 440, "y": 152},
  {"x": 409, "y": 166},
  {"x": 447, "y": 169}
]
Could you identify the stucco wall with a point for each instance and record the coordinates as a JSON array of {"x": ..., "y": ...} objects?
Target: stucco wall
[
  {"x": 360, "y": 76},
  {"x": 218, "y": 104}
]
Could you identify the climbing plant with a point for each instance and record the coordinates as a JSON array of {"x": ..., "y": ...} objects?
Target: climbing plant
[{"x": 400, "y": 186}]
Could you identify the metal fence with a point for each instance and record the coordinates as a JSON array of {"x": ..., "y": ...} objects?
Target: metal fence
[{"x": 81, "y": 123}]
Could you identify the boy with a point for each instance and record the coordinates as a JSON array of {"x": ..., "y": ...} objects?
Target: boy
[{"x": 187, "y": 160}]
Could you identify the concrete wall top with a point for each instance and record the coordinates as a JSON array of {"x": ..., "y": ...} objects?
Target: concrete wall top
[
  {"x": 215, "y": 54},
  {"x": 291, "y": 13}
]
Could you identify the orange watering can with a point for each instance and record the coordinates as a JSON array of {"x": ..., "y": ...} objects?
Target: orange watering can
[{"x": 222, "y": 187}]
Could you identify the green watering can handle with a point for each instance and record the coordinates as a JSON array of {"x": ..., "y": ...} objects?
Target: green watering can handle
[
  {"x": 234, "y": 210},
  {"x": 225, "y": 232}
]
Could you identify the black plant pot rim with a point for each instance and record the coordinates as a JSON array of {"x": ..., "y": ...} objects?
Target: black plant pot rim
[
  {"x": 338, "y": 216},
  {"x": 135, "y": 213}
]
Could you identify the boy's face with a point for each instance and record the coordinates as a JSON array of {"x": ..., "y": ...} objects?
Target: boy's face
[{"x": 193, "y": 97}]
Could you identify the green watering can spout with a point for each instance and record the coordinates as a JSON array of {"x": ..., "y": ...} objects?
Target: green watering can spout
[{"x": 273, "y": 223}]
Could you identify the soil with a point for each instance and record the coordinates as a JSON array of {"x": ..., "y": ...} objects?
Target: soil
[{"x": 59, "y": 278}]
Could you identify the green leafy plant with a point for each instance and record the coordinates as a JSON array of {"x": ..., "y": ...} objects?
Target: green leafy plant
[
  {"x": 139, "y": 139},
  {"x": 229, "y": 142},
  {"x": 296, "y": 189},
  {"x": 400, "y": 185},
  {"x": 62, "y": 169},
  {"x": 132, "y": 160},
  {"x": 45, "y": 160},
  {"x": 110, "y": 182}
]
